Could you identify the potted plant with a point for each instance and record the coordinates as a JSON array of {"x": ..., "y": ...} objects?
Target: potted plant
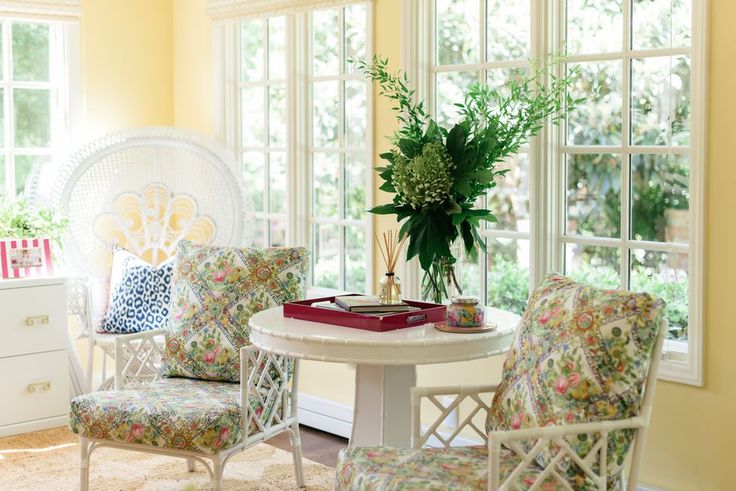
[{"x": 437, "y": 174}]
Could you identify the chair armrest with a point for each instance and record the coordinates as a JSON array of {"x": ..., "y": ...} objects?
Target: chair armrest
[
  {"x": 138, "y": 358},
  {"x": 458, "y": 394},
  {"x": 542, "y": 437},
  {"x": 267, "y": 393}
]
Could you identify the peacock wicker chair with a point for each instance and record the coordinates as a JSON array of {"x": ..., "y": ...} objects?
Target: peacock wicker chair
[{"x": 143, "y": 190}]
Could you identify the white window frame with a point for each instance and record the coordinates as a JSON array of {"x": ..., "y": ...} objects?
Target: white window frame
[
  {"x": 299, "y": 216},
  {"x": 681, "y": 362},
  {"x": 64, "y": 88}
]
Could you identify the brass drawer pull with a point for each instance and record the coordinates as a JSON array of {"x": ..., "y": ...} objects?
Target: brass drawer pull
[
  {"x": 42, "y": 319},
  {"x": 31, "y": 388}
]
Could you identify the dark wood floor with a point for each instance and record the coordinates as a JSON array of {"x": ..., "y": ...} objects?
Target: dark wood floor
[{"x": 317, "y": 445}]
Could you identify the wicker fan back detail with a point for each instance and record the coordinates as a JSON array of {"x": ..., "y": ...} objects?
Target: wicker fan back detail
[{"x": 145, "y": 190}]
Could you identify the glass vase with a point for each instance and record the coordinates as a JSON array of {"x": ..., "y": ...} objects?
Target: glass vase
[{"x": 389, "y": 292}]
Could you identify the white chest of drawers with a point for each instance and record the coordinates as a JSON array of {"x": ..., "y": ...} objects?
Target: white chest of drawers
[{"x": 34, "y": 361}]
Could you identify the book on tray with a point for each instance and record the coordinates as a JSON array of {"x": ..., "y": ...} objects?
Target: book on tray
[{"x": 364, "y": 304}]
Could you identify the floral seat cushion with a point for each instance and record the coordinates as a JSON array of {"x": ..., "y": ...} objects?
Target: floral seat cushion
[
  {"x": 428, "y": 469},
  {"x": 178, "y": 413}
]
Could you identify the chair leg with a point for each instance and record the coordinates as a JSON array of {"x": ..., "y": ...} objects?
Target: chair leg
[
  {"x": 83, "y": 464},
  {"x": 190, "y": 464},
  {"x": 218, "y": 466},
  {"x": 296, "y": 453}
]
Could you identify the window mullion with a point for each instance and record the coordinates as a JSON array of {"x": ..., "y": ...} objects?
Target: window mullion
[{"x": 625, "y": 229}]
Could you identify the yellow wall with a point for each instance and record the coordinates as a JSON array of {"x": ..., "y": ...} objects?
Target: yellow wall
[
  {"x": 145, "y": 65},
  {"x": 192, "y": 64},
  {"x": 126, "y": 65}
]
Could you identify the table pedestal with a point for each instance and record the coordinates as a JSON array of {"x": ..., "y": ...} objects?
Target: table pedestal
[{"x": 383, "y": 405}]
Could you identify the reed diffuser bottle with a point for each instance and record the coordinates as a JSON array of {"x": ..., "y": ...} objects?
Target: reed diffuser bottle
[{"x": 390, "y": 285}]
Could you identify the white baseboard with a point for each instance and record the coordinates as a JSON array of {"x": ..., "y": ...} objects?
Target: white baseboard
[
  {"x": 647, "y": 487},
  {"x": 326, "y": 415},
  {"x": 35, "y": 425},
  {"x": 337, "y": 418}
]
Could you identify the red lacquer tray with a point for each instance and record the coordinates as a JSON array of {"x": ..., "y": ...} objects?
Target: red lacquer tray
[{"x": 429, "y": 312}]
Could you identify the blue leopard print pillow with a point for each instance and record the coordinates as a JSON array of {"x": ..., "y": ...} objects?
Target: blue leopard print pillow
[{"x": 139, "y": 295}]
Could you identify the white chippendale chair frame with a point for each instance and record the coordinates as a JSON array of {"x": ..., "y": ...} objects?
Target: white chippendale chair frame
[
  {"x": 441, "y": 398},
  {"x": 254, "y": 376},
  {"x": 127, "y": 162}
]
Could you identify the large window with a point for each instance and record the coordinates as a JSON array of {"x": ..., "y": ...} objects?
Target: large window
[
  {"x": 338, "y": 149},
  {"x": 31, "y": 103},
  {"x": 263, "y": 133},
  {"x": 302, "y": 129},
  {"x": 612, "y": 197},
  {"x": 489, "y": 42}
]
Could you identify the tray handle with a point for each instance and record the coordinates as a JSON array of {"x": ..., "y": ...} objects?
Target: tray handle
[{"x": 416, "y": 318}]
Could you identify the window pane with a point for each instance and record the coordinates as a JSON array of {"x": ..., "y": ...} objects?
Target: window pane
[
  {"x": 2, "y": 175},
  {"x": 356, "y": 259},
  {"x": 325, "y": 43},
  {"x": 2, "y": 117},
  {"x": 661, "y": 23},
  {"x": 660, "y": 198},
  {"x": 355, "y": 186},
  {"x": 277, "y": 188},
  {"x": 451, "y": 89},
  {"x": 252, "y": 118},
  {"x": 259, "y": 236},
  {"x": 509, "y": 200},
  {"x": 278, "y": 232},
  {"x": 594, "y": 195},
  {"x": 32, "y": 117},
  {"x": 254, "y": 173},
  {"x": 508, "y": 274},
  {"x": 597, "y": 121},
  {"x": 599, "y": 266},
  {"x": 251, "y": 50},
  {"x": 277, "y": 115},
  {"x": 355, "y": 34},
  {"x": 508, "y": 29},
  {"x": 594, "y": 26},
  {"x": 24, "y": 166},
  {"x": 325, "y": 185},
  {"x": 30, "y": 51},
  {"x": 325, "y": 113},
  {"x": 660, "y": 101},
  {"x": 356, "y": 115},
  {"x": 498, "y": 78},
  {"x": 664, "y": 274},
  {"x": 469, "y": 275},
  {"x": 458, "y": 31},
  {"x": 326, "y": 252},
  {"x": 277, "y": 48}
]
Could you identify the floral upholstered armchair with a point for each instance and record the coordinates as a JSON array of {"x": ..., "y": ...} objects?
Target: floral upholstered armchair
[
  {"x": 216, "y": 395},
  {"x": 571, "y": 411}
]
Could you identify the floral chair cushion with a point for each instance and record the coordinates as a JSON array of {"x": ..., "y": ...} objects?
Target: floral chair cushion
[
  {"x": 428, "y": 469},
  {"x": 581, "y": 354},
  {"x": 214, "y": 292},
  {"x": 179, "y": 413}
]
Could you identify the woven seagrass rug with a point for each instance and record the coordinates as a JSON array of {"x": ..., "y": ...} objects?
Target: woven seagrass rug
[{"x": 49, "y": 460}]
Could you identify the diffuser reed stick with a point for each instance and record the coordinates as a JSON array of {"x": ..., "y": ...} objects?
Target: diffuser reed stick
[{"x": 390, "y": 247}]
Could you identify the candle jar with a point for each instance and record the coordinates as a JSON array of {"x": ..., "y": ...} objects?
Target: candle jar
[
  {"x": 465, "y": 311},
  {"x": 389, "y": 292}
]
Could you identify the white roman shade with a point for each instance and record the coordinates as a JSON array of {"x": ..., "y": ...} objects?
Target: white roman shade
[
  {"x": 69, "y": 10},
  {"x": 232, "y": 9}
]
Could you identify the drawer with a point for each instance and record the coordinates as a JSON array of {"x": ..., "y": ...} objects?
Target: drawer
[
  {"x": 34, "y": 387},
  {"x": 32, "y": 320}
]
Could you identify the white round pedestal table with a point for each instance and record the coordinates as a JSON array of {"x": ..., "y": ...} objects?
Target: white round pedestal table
[{"x": 385, "y": 362}]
